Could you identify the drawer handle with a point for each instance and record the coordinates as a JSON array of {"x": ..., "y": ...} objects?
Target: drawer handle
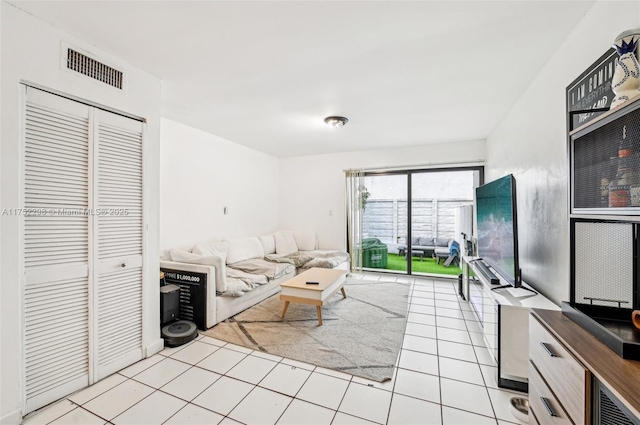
[
  {"x": 548, "y": 406},
  {"x": 548, "y": 349},
  {"x": 123, "y": 265}
]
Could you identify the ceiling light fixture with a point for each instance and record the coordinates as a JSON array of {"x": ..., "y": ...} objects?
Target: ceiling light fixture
[{"x": 336, "y": 122}]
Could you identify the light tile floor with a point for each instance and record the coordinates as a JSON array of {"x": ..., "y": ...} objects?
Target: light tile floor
[{"x": 445, "y": 375}]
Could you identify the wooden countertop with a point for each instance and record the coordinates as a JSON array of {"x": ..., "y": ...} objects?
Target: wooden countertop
[{"x": 621, "y": 376}]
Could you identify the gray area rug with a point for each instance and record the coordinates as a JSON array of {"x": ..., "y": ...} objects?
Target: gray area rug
[{"x": 361, "y": 334}]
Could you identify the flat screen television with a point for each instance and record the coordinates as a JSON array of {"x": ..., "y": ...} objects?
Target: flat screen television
[{"x": 498, "y": 228}]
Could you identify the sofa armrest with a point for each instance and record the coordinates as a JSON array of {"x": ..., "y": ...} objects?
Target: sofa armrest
[
  {"x": 209, "y": 271},
  {"x": 189, "y": 267}
]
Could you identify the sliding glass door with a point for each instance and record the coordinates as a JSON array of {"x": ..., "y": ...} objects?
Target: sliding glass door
[
  {"x": 441, "y": 211},
  {"x": 384, "y": 223},
  {"x": 412, "y": 221}
]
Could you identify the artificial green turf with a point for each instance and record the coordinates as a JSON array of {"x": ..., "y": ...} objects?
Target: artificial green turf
[{"x": 427, "y": 265}]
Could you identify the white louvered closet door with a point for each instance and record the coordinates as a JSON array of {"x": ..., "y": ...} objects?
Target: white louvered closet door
[
  {"x": 55, "y": 248},
  {"x": 82, "y": 245},
  {"x": 118, "y": 190}
]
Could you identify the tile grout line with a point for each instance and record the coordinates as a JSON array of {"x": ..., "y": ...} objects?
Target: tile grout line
[
  {"x": 439, "y": 371},
  {"x": 135, "y": 404},
  {"x": 179, "y": 410},
  {"x": 433, "y": 295},
  {"x": 58, "y": 417},
  {"x": 397, "y": 367},
  {"x": 254, "y": 386},
  {"x": 486, "y": 388},
  {"x": 121, "y": 383},
  {"x": 221, "y": 375},
  {"x": 200, "y": 393},
  {"x": 299, "y": 389}
]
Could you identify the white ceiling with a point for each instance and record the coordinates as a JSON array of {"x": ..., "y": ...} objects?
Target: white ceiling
[{"x": 264, "y": 74}]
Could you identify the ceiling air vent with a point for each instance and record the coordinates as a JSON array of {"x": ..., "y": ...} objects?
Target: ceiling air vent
[{"x": 93, "y": 69}]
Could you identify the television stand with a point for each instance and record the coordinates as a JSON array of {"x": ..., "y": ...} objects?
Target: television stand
[
  {"x": 511, "y": 286},
  {"x": 503, "y": 318},
  {"x": 501, "y": 287},
  {"x": 482, "y": 268}
]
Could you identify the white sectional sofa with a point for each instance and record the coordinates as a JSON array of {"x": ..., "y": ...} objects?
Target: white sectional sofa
[{"x": 241, "y": 272}]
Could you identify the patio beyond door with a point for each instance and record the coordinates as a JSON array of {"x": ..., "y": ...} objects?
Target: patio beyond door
[
  {"x": 410, "y": 223},
  {"x": 384, "y": 221}
]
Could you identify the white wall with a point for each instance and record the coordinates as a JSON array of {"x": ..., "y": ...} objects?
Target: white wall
[
  {"x": 531, "y": 143},
  {"x": 313, "y": 187},
  {"x": 200, "y": 175},
  {"x": 31, "y": 52}
]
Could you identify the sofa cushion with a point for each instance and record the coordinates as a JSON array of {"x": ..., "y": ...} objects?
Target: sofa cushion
[
  {"x": 425, "y": 241},
  {"x": 415, "y": 240},
  {"x": 212, "y": 248},
  {"x": 165, "y": 255},
  {"x": 285, "y": 242},
  {"x": 239, "y": 282},
  {"x": 260, "y": 266},
  {"x": 306, "y": 241},
  {"x": 207, "y": 260},
  {"x": 240, "y": 249},
  {"x": 442, "y": 242},
  {"x": 258, "y": 279},
  {"x": 326, "y": 259},
  {"x": 268, "y": 244}
]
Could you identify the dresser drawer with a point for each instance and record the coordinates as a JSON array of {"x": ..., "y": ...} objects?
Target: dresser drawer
[
  {"x": 543, "y": 403},
  {"x": 565, "y": 376}
]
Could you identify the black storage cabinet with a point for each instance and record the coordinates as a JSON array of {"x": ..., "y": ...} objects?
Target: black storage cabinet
[
  {"x": 604, "y": 226},
  {"x": 193, "y": 295}
]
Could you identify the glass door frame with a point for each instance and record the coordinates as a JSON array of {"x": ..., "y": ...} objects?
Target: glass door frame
[{"x": 409, "y": 173}]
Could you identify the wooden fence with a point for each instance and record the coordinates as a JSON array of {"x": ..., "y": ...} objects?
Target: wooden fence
[{"x": 386, "y": 219}]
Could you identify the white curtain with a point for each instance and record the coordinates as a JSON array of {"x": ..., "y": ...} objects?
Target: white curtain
[{"x": 355, "y": 186}]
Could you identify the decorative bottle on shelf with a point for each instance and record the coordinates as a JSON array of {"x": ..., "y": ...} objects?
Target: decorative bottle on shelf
[
  {"x": 606, "y": 176},
  {"x": 619, "y": 188}
]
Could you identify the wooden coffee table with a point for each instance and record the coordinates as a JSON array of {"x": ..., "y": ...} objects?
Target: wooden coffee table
[{"x": 296, "y": 289}]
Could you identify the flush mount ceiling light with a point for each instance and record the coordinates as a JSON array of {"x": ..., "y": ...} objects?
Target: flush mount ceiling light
[{"x": 336, "y": 122}]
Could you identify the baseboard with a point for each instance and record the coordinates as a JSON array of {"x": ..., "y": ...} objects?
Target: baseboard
[
  {"x": 13, "y": 418},
  {"x": 155, "y": 347},
  {"x": 511, "y": 384}
]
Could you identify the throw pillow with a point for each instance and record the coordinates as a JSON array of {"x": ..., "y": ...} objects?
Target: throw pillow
[
  {"x": 285, "y": 243},
  {"x": 213, "y": 248},
  {"x": 165, "y": 255},
  {"x": 268, "y": 244},
  {"x": 220, "y": 270},
  {"x": 240, "y": 249}
]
